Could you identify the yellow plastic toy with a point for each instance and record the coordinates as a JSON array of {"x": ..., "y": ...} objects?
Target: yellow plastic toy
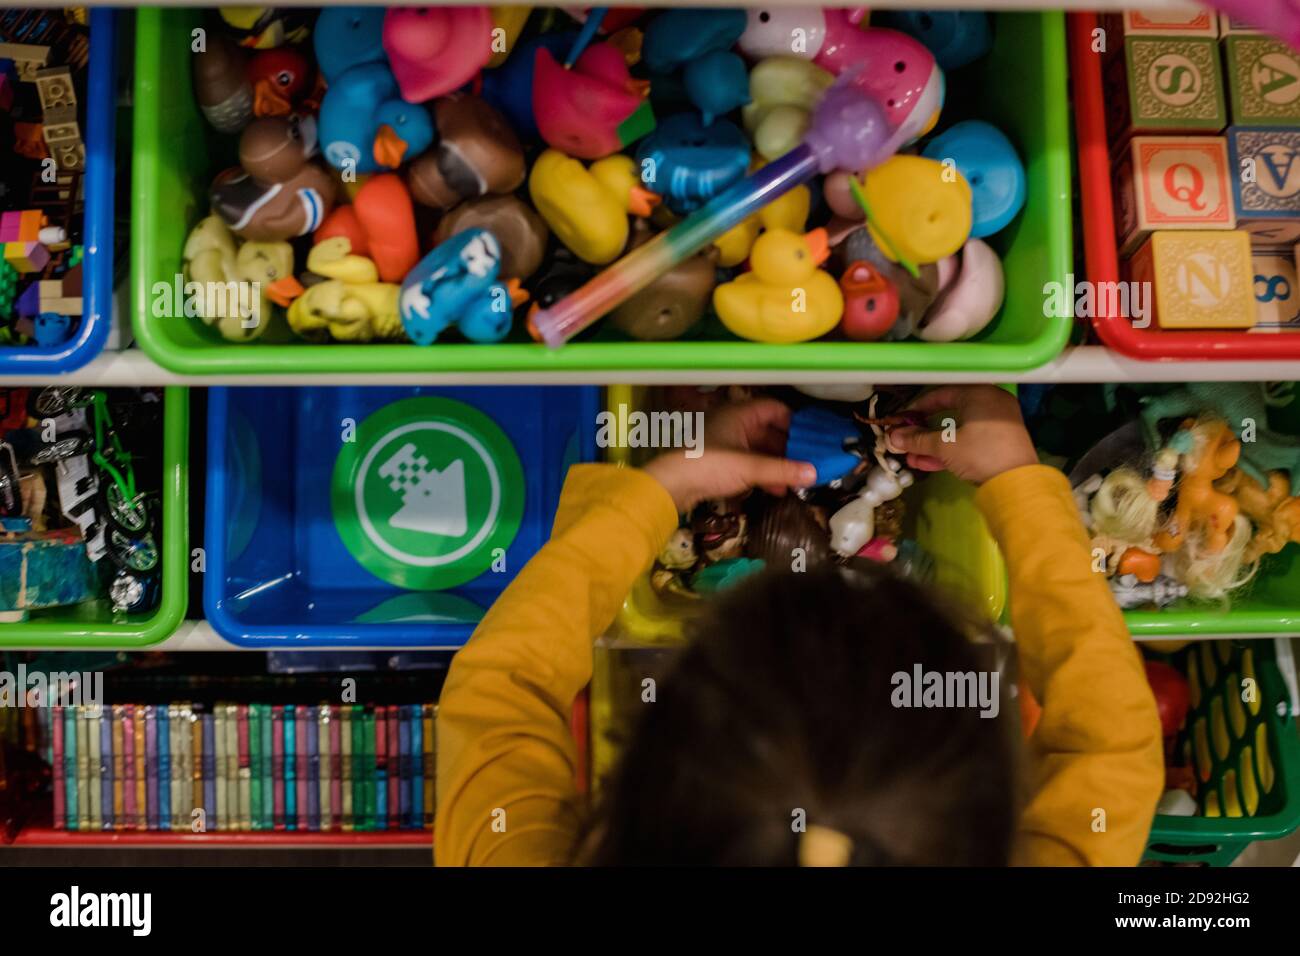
[
  {"x": 786, "y": 298},
  {"x": 228, "y": 275},
  {"x": 782, "y": 92},
  {"x": 922, "y": 206},
  {"x": 587, "y": 208},
  {"x": 351, "y": 305},
  {"x": 790, "y": 211}
]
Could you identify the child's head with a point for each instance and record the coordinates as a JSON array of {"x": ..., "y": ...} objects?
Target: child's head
[{"x": 782, "y": 711}]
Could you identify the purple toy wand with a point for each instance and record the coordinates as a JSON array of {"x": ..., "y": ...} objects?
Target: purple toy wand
[{"x": 848, "y": 131}]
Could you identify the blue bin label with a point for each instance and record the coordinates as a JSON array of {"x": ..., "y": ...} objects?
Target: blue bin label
[{"x": 429, "y": 494}]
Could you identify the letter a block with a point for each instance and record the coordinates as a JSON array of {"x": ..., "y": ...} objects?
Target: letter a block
[
  {"x": 1266, "y": 182},
  {"x": 1167, "y": 182},
  {"x": 1263, "y": 81},
  {"x": 1162, "y": 85},
  {"x": 1198, "y": 280}
]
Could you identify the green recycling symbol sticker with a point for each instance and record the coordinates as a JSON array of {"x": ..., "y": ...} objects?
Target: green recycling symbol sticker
[{"x": 427, "y": 493}]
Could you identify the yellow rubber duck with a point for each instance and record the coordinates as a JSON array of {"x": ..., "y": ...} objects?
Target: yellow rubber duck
[
  {"x": 789, "y": 211},
  {"x": 351, "y": 305},
  {"x": 786, "y": 298},
  {"x": 229, "y": 274},
  {"x": 587, "y": 208}
]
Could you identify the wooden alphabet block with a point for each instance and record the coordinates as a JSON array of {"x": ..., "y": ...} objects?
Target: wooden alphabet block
[
  {"x": 1263, "y": 81},
  {"x": 1164, "y": 85},
  {"x": 1171, "y": 182},
  {"x": 1277, "y": 300},
  {"x": 1265, "y": 163},
  {"x": 1175, "y": 23},
  {"x": 1198, "y": 280}
]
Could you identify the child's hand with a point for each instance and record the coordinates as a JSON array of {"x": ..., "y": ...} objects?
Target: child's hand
[
  {"x": 743, "y": 448},
  {"x": 984, "y": 437}
]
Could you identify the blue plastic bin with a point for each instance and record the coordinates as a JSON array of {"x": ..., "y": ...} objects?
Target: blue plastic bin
[
  {"x": 97, "y": 232},
  {"x": 379, "y": 516}
]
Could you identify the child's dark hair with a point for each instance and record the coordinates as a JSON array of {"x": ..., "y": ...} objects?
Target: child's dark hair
[{"x": 783, "y": 702}]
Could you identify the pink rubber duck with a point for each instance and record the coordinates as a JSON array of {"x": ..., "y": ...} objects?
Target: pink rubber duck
[
  {"x": 592, "y": 110},
  {"x": 435, "y": 50},
  {"x": 894, "y": 68}
]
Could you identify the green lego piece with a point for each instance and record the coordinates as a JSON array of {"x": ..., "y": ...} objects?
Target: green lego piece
[{"x": 8, "y": 290}]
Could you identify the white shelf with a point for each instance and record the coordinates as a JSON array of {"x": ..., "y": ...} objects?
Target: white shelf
[{"x": 1089, "y": 363}]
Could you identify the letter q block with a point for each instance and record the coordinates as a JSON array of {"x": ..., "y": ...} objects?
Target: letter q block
[
  {"x": 1198, "y": 280},
  {"x": 1172, "y": 182}
]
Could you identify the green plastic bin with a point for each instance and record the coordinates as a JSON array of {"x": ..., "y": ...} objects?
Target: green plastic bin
[
  {"x": 1020, "y": 87},
  {"x": 95, "y": 623},
  {"x": 1247, "y": 756}
]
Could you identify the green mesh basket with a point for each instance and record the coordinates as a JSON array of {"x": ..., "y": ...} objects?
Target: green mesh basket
[{"x": 1245, "y": 753}]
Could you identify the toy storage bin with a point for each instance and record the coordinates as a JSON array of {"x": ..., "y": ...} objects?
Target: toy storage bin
[
  {"x": 1020, "y": 86},
  {"x": 97, "y": 232},
  {"x": 1247, "y": 756},
  {"x": 379, "y": 516},
  {"x": 96, "y": 624},
  {"x": 1102, "y": 256}
]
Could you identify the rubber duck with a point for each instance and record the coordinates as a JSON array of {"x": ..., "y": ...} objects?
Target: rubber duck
[
  {"x": 673, "y": 303},
  {"x": 782, "y": 93},
  {"x": 456, "y": 284},
  {"x": 587, "y": 208},
  {"x": 971, "y": 295},
  {"x": 366, "y": 127},
  {"x": 561, "y": 274},
  {"x": 789, "y": 211},
  {"x": 279, "y": 192},
  {"x": 991, "y": 167},
  {"x": 221, "y": 84},
  {"x": 280, "y": 78},
  {"x": 261, "y": 28},
  {"x": 351, "y": 305},
  {"x": 922, "y": 207},
  {"x": 955, "y": 37},
  {"x": 346, "y": 37},
  {"x": 690, "y": 163},
  {"x": 521, "y": 232},
  {"x": 509, "y": 87},
  {"x": 593, "y": 109},
  {"x": 786, "y": 298},
  {"x": 476, "y": 153},
  {"x": 673, "y": 38},
  {"x": 434, "y": 50},
  {"x": 211, "y": 257},
  {"x": 379, "y": 224},
  {"x": 871, "y": 303}
]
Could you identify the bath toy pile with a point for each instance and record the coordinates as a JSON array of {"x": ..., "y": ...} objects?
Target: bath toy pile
[
  {"x": 853, "y": 516},
  {"x": 453, "y": 174},
  {"x": 43, "y": 57},
  {"x": 78, "y": 500}
]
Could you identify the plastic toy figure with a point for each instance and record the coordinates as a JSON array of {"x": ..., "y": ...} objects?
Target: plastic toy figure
[
  {"x": 434, "y": 50},
  {"x": 786, "y": 298},
  {"x": 853, "y": 526},
  {"x": 689, "y": 162},
  {"x": 456, "y": 284},
  {"x": 476, "y": 154},
  {"x": 365, "y": 126},
  {"x": 828, "y": 440},
  {"x": 593, "y": 109}
]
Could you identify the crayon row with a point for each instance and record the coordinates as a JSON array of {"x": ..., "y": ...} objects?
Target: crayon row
[{"x": 228, "y": 767}]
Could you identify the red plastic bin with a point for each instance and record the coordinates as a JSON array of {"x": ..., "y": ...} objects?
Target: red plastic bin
[{"x": 1101, "y": 256}]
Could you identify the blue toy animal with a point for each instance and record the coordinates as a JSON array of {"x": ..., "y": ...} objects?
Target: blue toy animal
[
  {"x": 824, "y": 438},
  {"x": 346, "y": 37},
  {"x": 689, "y": 163},
  {"x": 456, "y": 284},
  {"x": 365, "y": 125},
  {"x": 676, "y": 37},
  {"x": 717, "y": 83},
  {"x": 989, "y": 163}
]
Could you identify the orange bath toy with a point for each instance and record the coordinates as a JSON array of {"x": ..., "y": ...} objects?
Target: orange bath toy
[
  {"x": 380, "y": 224},
  {"x": 1200, "y": 506},
  {"x": 1275, "y": 513}
]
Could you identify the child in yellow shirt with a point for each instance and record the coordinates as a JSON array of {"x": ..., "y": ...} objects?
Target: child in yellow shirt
[{"x": 778, "y": 738}]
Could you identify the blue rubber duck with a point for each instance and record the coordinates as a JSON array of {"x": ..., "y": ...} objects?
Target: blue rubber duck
[
  {"x": 346, "y": 37},
  {"x": 365, "y": 125},
  {"x": 676, "y": 37},
  {"x": 688, "y": 163},
  {"x": 456, "y": 284}
]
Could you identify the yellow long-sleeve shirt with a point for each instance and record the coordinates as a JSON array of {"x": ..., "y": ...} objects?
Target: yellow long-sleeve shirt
[{"x": 506, "y": 793}]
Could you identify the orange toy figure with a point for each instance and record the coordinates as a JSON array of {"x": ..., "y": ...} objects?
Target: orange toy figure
[
  {"x": 1199, "y": 505},
  {"x": 380, "y": 224},
  {"x": 1143, "y": 565},
  {"x": 1275, "y": 513}
]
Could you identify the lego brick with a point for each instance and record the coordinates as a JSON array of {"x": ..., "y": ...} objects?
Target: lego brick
[
  {"x": 63, "y": 136},
  {"x": 28, "y": 58},
  {"x": 1263, "y": 81},
  {"x": 1172, "y": 182},
  {"x": 1165, "y": 85},
  {"x": 55, "y": 88},
  {"x": 26, "y": 256},
  {"x": 21, "y": 225},
  {"x": 1265, "y": 161},
  {"x": 1277, "y": 299},
  {"x": 64, "y": 306},
  {"x": 1176, "y": 23},
  {"x": 1198, "y": 280}
]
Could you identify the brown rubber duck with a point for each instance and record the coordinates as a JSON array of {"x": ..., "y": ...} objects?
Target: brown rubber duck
[
  {"x": 673, "y": 303},
  {"x": 476, "y": 153},
  {"x": 278, "y": 191},
  {"x": 521, "y": 232}
]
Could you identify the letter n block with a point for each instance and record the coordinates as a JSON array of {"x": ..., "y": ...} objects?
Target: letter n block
[
  {"x": 1198, "y": 280},
  {"x": 1263, "y": 81},
  {"x": 1168, "y": 182},
  {"x": 1277, "y": 300},
  {"x": 1265, "y": 163},
  {"x": 1162, "y": 85}
]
